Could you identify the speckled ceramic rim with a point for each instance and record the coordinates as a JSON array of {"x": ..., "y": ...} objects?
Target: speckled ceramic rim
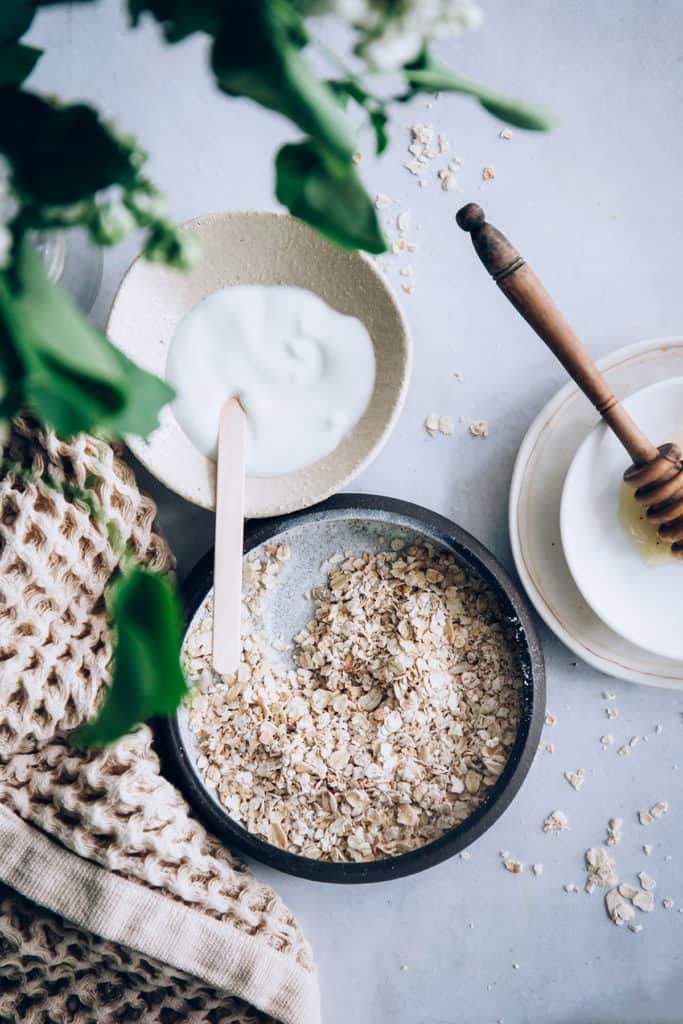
[
  {"x": 472, "y": 556},
  {"x": 265, "y": 247}
]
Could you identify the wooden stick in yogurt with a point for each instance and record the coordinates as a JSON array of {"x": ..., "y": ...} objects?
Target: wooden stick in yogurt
[{"x": 227, "y": 574}]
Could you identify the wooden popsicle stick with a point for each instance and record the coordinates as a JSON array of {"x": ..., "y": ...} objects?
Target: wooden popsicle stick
[{"x": 227, "y": 570}]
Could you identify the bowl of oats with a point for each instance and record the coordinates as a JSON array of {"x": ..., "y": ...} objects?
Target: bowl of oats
[{"x": 388, "y": 704}]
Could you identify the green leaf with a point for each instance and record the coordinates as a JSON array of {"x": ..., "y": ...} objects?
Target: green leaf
[
  {"x": 17, "y": 62},
  {"x": 379, "y": 120},
  {"x": 62, "y": 367},
  {"x": 329, "y": 198},
  {"x": 258, "y": 54},
  {"x": 60, "y": 154},
  {"x": 429, "y": 75},
  {"x": 351, "y": 88},
  {"x": 15, "y": 19},
  {"x": 147, "y": 679}
]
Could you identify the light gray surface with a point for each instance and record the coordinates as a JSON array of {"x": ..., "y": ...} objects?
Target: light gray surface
[{"x": 597, "y": 206}]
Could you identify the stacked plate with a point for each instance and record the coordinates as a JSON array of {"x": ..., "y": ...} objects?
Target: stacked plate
[{"x": 615, "y": 603}]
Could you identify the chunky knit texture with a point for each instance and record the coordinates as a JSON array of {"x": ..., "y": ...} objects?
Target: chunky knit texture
[
  {"x": 52, "y": 971},
  {"x": 112, "y": 807}
]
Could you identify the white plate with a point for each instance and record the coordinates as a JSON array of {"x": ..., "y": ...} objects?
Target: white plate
[
  {"x": 639, "y": 600},
  {"x": 534, "y": 515},
  {"x": 262, "y": 247}
]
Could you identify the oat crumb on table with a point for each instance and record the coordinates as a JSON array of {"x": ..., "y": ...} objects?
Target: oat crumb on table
[
  {"x": 390, "y": 726},
  {"x": 515, "y": 867},
  {"x": 479, "y": 428},
  {"x": 556, "y": 822},
  {"x": 576, "y": 779}
]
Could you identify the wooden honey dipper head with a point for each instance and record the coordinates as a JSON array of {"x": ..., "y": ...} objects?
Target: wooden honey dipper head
[{"x": 656, "y": 473}]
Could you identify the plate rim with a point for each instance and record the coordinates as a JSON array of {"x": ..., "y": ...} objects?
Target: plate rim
[{"x": 535, "y": 596}]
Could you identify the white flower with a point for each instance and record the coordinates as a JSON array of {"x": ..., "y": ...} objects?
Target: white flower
[
  {"x": 112, "y": 223},
  {"x": 151, "y": 205},
  {"x": 393, "y": 34}
]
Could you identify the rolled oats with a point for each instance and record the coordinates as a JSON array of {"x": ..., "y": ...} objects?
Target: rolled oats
[{"x": 391, "y": 725}]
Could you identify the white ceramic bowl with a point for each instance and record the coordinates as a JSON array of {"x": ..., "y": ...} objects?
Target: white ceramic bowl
[
  {"x": 267, "y": 248},
  {"x": 639, "y": 599}
]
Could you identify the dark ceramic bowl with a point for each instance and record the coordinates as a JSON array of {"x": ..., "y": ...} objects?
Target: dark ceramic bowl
[{"x": 359, "y": 520}]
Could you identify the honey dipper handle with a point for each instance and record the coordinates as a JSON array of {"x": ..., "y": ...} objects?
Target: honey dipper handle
[{"x": 517, "y": 280}]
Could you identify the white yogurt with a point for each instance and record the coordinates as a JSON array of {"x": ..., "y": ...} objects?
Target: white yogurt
[{"x": 303, "y": 372}]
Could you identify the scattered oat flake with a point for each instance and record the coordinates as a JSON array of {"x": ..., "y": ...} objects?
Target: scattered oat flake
[
  {"x": 628, "y": 891},
  {"x": 550, "y": 719},
  {"x": 357, "y": 157},
  {"x": 659, "y": 728},
  {"x": 411, "y": 246},
  {"x": 608, "y": 695},
  {"x": 432, "y": 423},
  {"x": 556, "y": 822},
  {"x": 400, "y": 245},
  {"x": 575, "y": 779},
  {"x": 614, "y": 831},
  {"x": 647, "y": 848},
  {"x": 624, "y": 751},
  {"x": 505, "y": 134},
  {"x": 611, "y": 712},
  {"x": 446, "y": 425},
  {"x": 465, "y": 855},
  {"x": 515, "y": 867},
  {"x": 634, "y": 741},
  {"x": 571, "y": 887},
  {"x": 646, "y": 881},
  {"x": 607, "y": 741},
  {"x": 406, "y": 271},
  {"x": 416, "y": 167},
  {"x": 403, "y": 221},
  {"x": 633, "y": 927},
  {"x": 382, "y": 201},
  {"x": 600, "y": 869},
  {"x": 444, "y": 145},
  {"x": 667, "y": 903},
  {"x": 659, "y": 808},
  {"x": 449, "y": 183},
  {"x": 645, "y": 818},
  {"x": 644, "y": 901},
  {"x": 618, "y": 908},
  {"x": 479, "y": 428},
  {"x": 488, "y": 174},
  {"x": 408, "y": 287}
]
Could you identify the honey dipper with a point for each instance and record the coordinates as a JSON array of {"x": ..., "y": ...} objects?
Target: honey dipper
[{"x": 656, "y": 473}]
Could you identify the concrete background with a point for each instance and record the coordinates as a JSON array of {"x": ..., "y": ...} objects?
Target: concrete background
[{"x": 597, "y": 206}]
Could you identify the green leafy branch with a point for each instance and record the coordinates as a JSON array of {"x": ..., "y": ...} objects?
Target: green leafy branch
[{"x": 65, "y": 167}]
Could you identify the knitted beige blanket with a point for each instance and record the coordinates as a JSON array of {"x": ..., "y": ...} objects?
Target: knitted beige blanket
[{"x": 115, "y": 904}]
